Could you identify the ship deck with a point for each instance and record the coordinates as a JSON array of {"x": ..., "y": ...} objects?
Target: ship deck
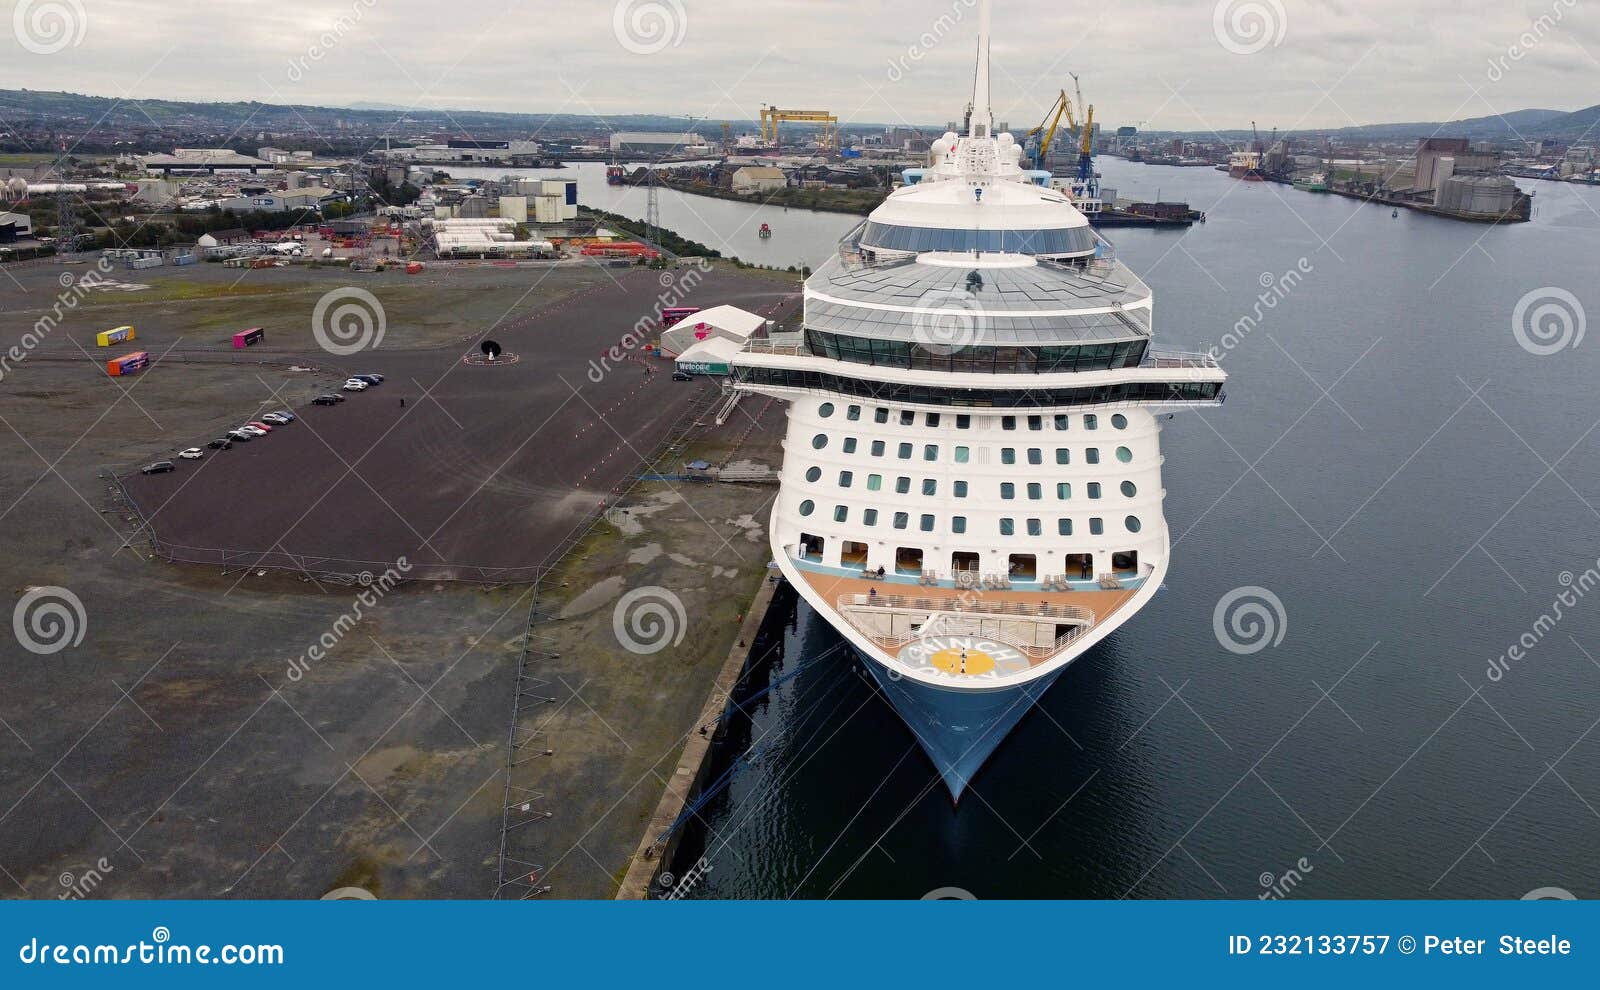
[{"x": 1038, "y": 625}]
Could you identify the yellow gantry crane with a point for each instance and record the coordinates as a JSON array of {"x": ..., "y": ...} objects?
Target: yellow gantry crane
[{"x": 772, "y": 116}]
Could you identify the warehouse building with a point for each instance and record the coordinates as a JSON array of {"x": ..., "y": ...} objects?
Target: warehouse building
[{"x": 656, "y": 143}]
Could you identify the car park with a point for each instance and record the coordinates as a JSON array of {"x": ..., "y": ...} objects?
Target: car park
[
  {"x": 220, "y": 443},
  {"x": 192, "y": 454},
  {"x": 159, "y": 467}
]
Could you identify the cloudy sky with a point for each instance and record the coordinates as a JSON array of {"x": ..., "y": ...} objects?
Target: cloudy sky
[{"x": 1162, "y": 64}]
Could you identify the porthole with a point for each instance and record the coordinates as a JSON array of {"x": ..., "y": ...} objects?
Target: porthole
[
  {"x": 813, "y": 473},
  {"x": 825, "y": 410},
  {"x": 1132, "y": 522},
  {"x": 807, "y": 507},
  {"x": 1124, "y": 454},
  {"x": 1119, "y": 421},
  {"x": 1129, "y": 489},
  {"x": 819, "y": 441}
]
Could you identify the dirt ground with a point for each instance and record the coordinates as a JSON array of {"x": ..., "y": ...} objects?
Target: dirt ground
[{"x": 238, "y": 734}]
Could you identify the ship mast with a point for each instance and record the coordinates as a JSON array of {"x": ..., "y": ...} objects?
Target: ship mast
[{"x": 981, "y": 124}]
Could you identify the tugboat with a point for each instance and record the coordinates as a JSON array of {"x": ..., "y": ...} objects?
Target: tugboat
[
  {"x": 614, "y": 175},
  {"x": 765, "y": 232}
]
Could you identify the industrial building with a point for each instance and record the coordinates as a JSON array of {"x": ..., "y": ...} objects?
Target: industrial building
[
  {"x": 758, "y": 179},
  {"x": 489, "y": 238},
  {"x": 464, "y": 151},
  {"x": 1490, "y": 195},
  {"x": 15, "y": 227},
  {"x": 212, "y": 160},
  {"x": 657, "y": 143}
]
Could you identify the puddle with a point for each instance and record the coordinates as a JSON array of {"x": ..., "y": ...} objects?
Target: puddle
[{"x": 593, "y": 597}]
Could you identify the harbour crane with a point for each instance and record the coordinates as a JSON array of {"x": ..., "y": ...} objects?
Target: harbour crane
[
  {"x": 1037, "y": 148},
  {"x": 1086, "y": 141}
]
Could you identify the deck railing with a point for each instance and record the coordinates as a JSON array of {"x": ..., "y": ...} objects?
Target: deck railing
[{"x": 961, "y": 604}]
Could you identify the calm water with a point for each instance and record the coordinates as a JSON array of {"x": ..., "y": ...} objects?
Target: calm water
[
  {"x": 799, "y": 237},
  {"x": 1414, "y": 522}
]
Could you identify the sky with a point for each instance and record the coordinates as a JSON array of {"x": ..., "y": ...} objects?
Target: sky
[{"x": 1189, "y": 65}]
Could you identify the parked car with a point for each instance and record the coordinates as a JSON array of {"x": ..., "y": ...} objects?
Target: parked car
[
  {"x": 252, "y": 430},
  {"x": 192, "y": 454},
  {"x": 370, "y": 379},
  {"x": 159, "y": 467},
  {"x": 274, "y": 419},
  {"x": 286, "y": 414},
  {"x": 356, "y": 385},
  {"x": 220, "y": 443},
  {"x": 682, "y": 376},
  {"x": 263, "y": 427},
  {"x": 327, "y": 400},
  {"x": 242, "y": 435}
]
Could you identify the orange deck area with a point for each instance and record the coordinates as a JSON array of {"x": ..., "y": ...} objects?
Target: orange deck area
[{"x": 1101, "y": 603}]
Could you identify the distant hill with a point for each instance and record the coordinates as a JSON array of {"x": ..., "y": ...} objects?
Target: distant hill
[{"x": 1516, "y": 124}]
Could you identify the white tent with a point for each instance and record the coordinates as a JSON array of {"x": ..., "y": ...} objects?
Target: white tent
[{"x": 725, "y": 322}]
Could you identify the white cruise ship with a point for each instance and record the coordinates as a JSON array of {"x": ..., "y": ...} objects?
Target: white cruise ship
[{"x": 971, "y": 487}]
